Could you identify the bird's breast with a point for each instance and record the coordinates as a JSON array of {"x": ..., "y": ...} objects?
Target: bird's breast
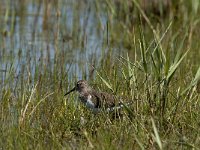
[{"x": 90, "y": 104}]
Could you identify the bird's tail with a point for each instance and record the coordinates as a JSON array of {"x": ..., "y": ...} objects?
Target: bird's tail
[{"x": 119, "y": 106}]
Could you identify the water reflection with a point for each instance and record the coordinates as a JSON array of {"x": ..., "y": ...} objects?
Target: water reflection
[{"x": 42, "y": 33}]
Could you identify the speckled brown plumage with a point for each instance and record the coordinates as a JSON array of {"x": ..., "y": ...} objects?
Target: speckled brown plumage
[{"x": 93, "y": 99}]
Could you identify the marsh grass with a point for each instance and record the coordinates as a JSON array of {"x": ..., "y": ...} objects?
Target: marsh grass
[{"x": 156, "y": 67}]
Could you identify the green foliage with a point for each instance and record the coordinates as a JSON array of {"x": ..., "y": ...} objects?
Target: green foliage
[{"x": 156, "y": 69}]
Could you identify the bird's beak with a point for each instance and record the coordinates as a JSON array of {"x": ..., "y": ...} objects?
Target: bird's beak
[{"x": 70, "y": 91}]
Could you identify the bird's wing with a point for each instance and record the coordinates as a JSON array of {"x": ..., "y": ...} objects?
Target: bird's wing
[{"x": 103, "y": 99}]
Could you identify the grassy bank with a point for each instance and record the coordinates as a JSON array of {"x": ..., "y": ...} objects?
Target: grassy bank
[{"x": 150, "y": 58}]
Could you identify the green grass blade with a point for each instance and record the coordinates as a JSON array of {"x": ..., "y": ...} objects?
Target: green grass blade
[
  {"x": 194, "y": 81},
  {"x": 195, "y": 5},
  {"x": 144, "y": 62},
  {"x": 105, "y": 82},
  {"x": 139, "y": 143},
  {"x": 175, "y": 66},
  {"x": 156, "y": 135}
]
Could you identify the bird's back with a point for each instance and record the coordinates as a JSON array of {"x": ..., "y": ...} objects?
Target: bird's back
[{"x": 102, "y": 99}]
